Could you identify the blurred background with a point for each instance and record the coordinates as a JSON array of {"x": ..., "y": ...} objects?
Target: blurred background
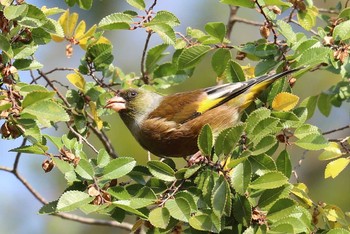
[{"x": 18, "y": 208}]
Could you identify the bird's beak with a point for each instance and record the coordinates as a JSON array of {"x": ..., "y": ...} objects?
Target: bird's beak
[{"x": 116, "y": 103}]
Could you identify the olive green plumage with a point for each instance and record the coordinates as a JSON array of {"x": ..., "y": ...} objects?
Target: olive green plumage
[{"x": 168, "y": 126}]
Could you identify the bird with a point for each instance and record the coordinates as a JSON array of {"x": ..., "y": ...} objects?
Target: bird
[{"x": 168, "y": 126}]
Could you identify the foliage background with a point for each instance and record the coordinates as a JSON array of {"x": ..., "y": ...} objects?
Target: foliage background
[{"x": 18, "y": 208}]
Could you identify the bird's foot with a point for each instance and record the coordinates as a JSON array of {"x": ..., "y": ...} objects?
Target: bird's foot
[{"x": 197, "y": 158}]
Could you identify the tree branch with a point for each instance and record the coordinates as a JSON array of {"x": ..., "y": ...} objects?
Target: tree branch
[
  {"x": 336, "y": 130},
  {"x": 231, "y": 20},
  {"x": 144, "y": 75}
]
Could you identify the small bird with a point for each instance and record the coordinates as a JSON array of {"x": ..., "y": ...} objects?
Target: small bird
[{"x": 168, "y": 126}]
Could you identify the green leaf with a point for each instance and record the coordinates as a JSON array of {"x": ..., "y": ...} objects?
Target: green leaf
[
  {"x": 270, "y": 196},
  {"x": 314, "y": 56},
  {"x": 269, "y": 180},
  {"x": 282, "y": 228},
  {"x": 116, "y": 21},
  {"x": 342, "y": 31},
  {"x": 338, "y": 231},
  {"x": 205, "y": 221},
  {"x": 242, "y": 210},
  {"x": 227, "y": 139},
  {"x": 282, "y": 208},
  {"x": 31, "y": 149},
  {"x": 264, "y": 66},
  {"x": 125, "y": 205},
  {"x": 331, "y": 151},
  {"x": 118, "y": 167},
  {"x": 36, "y": 96},
  {"x": 191, "y": 56},
  {"x": 304, "y": 130},
  {"x": 307, "y": 18},
  {"x": 218, "y": 197},
  {"x": 48, "y": 208},
  {"x": 165, "y": 17},
  {"x": 85, "y": 169},
  {"x": 159, "y": 217},
  {"x": 240, "y": 177},
  {"x": 262, "y": 163},
  {"x": 179, "y": 209},
  {"x": 310, "y": 104},
  {"x": 103, "y": 158},
  {"x": 234, "y": 72},
  {"x": 46, "y": 111},
  {"x": 161, "y": 170},
  {"x": 166, "y": 33},
  {"x": 241, "y": 3},
  {"x": 264, "y": 127},
  {"x": 264, "y": 145},
  {"x": 34, "y": 18},
  {"x": 284, "y": 164},
  {"x": 287, "y": 31},
  {"x": 205, "y": 140},
  {"x": 216, "y": 29},
  {"x": 71, "y": 200},
  {"x": 324, "y": 104},
  {"x": 139, "y": 4},
  {"x": 31, "y": 130},
  {"x": 313, "y": 141},
  {"x": 85, "y": 4},
  {"x": 15, "y": 11},
  {"x": 24, "y": 51},
  {"x": 255, "y": 117},
  {"x": 5, "y": 46},
  {"x": 154, "y": 55},
  {"x": 27, "y": 64},
  {"x": 335, "y": 167},
  {"x": 219, "y": 60},
  {"x": 189, "y": 198}
]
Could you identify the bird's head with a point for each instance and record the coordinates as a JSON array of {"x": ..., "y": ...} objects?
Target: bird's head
[{"x": 134, "y": 103}]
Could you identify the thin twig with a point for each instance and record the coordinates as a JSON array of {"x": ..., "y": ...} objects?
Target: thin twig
[
  {"x": 268, "y": 21},
  {"x": 329, "y": 11},
  {"x": 18, "y": 156},
  {"x": 250, "y": 22},
  {"x": 144, "y": 75},
  {"x": 336, "y": 130},
  {"x": 82, "y": 138},
  {"x": 231, "y": 20}
]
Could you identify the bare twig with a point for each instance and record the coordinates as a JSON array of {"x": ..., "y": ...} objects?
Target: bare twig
[
  {"x": 329, "y": 11},
  {"x": 82, "y": 138},
  {"x": 249, "y": 22},
  {"x": 18, "y": 156},
  {"x": 144, "y": 75},
  {"x": 231, "y": 20},
  {"x": 336, "y": 130}
]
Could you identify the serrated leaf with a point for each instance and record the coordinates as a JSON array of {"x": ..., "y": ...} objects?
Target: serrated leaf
[
  {"x": 219, "y": 60},
  {"x": 263, "y": 128},
  {"x": 285, "y": 101},
  {"x": 242, "y": 210},
  {"x": 189, "y": 198},
  {"x": 31, "y": 130},
  {"x": 240, "y": 177},
  {"x": 118, "y": 167},
  {"x": 205, "y": 140},
  {"x": 159, "y": 217},
  {"x": 310, "y": 103},
  {"x": 270, "y": 196},
  {"x": 342, "y": 31},
  {"x": 24, "y": 51},
  {"x": 154, "y": 55},
  {"x": 125, "y": 205},
  {"x": 313, "y": 141},
  {"x": 165, "y": 17},
  {"x": 304, "y": 130},
  {"x": 264, "y": 145},
  {"x": 284, "y": 164},
  {"x": 166, "y": 33},
  {"x": 103, "y": 158},
  {"x": 234, "y": 72},
  {"x": 46, "y": 111},
  {"x": 191, "y": 56},
  {"x": 241, "y": 3},
  {"x": 335, "y": 167},
  {"x": 314, "y": 56},
  {"x": 269, "y": 180},
  {"x": 15, "y": 11},
  {"x": 179, "y": 209},
  {"x": 255, "y": 117},
  {"x": 161, "y": 170},
  {"x": 262, "y": 164},
  {"x": 116, "y": 21},
  {"x": 280, "y": 209},
  {"x": 139, "y": 4},
  {"x": 48, "y": 208},
  {"x": 330, "y": 152},
  {"x": 85, "y": 169},
  {"x": 71, "y": 200},
  {"x": 36, "y": 96},
  {"x": 31, "y": 149},
  {"x": 27, "y": 64},
  {"x": 218, "y": 197},
  {"x": 216, "y": 29},
  {"x": 227, "y": 139},
  {"x": 77, "y": 80},
  {"x": 286, "y": 30},
  {"x": 205, "y": 222},
  {"x": 324, "y": 104},
  {"x": 307, "y": 18},
  {"x": 300, "y": 191},
  {"x": 34, "y": 17}
]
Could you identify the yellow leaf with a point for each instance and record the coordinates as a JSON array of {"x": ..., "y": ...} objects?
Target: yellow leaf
[
  {"x": 301, "y": 191},
  {"x": 98, "y": 121},
  {"x": 330, "y": 152},
  {"x": 68, "y": 23},
  {"x": 80, "y": 30},
  {"x": 284, "y": 101},
  {"x": 335, "y": 167},
  {"x": 77, "y": 80},
  {"x": 249, "y": 71}
]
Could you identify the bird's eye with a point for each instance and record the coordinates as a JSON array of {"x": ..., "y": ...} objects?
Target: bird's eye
[{"x": 132, "y": 94}]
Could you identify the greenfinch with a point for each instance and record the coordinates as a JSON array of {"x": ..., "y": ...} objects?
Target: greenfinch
[{"x": 168, "y": 126}]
